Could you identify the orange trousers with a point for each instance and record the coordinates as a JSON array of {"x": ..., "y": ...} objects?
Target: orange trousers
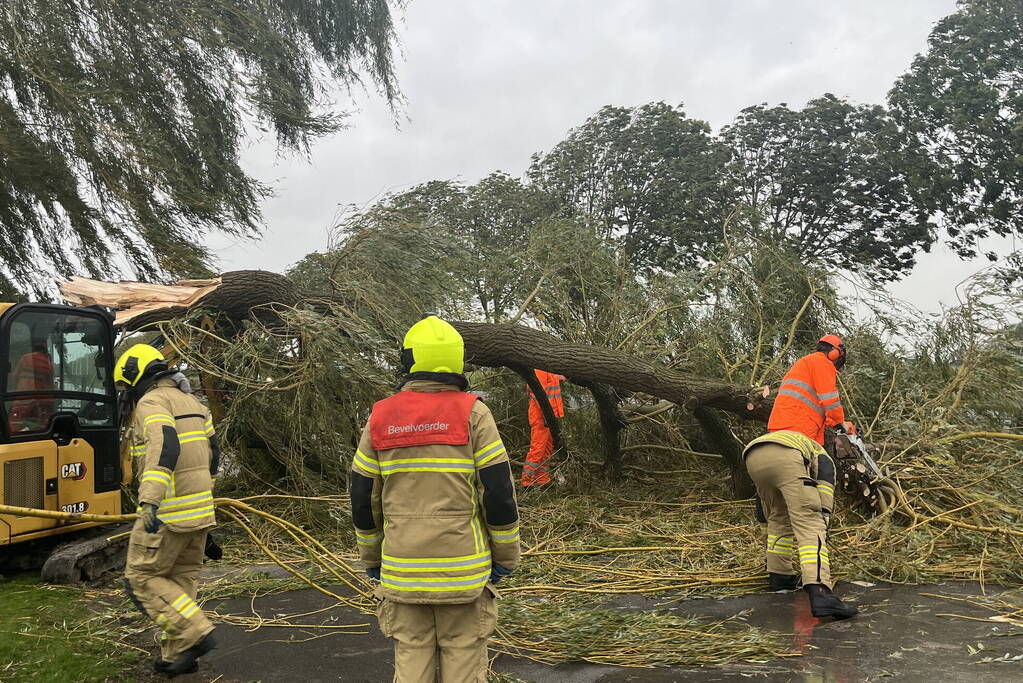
[{"x": 541, "y": 445}]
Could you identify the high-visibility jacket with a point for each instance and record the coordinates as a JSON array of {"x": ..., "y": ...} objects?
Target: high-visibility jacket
[
  {"x": 820, "y": 468},
  {"x": 33, "y": 372},
  {"x": 433, "y": 500},
  {"x": 808, "y": 399},
  {"x": 172, "y": 434},
  {"x": 552, "y": 386}
]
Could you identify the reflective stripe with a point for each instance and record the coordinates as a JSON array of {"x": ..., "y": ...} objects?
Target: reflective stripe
[
  {"x": 139, "y": 450},
  {"x": 367, "y": 463},
  {"x": 434, "y": 584},
  {"x": 185, "y": 606},
  {"x": 208, "y": 428},
  {"x": 186, "y": 515},
  {"x": 459, "y": 565},
  {"x": 424, "y": 561},
  {"x": 836, "y": 404},
  {"x": 509, "y": 536},
  {"x": 489, "y": 452},
  {"x": 802, "y": 385},
  {"x": 427, "y": 465},
  {"x": 827, "y": 397},
  {"x": 159, "y": 417},
  {"x": 827, "y": 488},
  {"x": 156, "y": 475},
  {"x": 363, "y": 538},
  {"x": 187, "y": 437},
  {"x": 180, "y": 501},
  {"x": 804, "y": 399}
]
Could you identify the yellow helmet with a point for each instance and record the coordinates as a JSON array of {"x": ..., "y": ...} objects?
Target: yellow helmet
[
  {"x": 432, "y": 345},
  {"x": 132, "y": 364}
]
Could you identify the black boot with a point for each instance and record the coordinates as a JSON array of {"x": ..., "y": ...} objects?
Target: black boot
[
  {"x": 783, "y": 582},
  {"x": 188, "y": 660},
  {"x": 823, "y": 603},
  {"x": 160, "y": 666}
]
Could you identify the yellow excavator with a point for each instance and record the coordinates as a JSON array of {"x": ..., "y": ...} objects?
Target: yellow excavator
[{"x": 59, "y": 442}]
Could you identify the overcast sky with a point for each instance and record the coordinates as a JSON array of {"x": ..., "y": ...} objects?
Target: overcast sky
[{"x": 489, "y": 83}]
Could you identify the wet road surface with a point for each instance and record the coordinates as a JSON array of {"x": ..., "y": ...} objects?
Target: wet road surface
[{"x": 897, "y": 636}]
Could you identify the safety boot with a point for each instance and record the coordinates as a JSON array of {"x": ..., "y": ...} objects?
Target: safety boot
[
  {"x": 783, "y": 582},
  {"x": 823, "y": 603},
  {"x": 160, "y": 666},
  {"x": 188, "y": 660}
]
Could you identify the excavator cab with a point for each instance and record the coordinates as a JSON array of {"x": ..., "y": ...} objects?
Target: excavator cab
[{"x": 59, "y": 442}]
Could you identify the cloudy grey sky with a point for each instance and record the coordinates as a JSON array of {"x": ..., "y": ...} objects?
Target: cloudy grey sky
[{"x": 489, "y": 83}]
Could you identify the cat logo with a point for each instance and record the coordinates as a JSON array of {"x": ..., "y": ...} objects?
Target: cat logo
[{"x": 73, "y": 470}]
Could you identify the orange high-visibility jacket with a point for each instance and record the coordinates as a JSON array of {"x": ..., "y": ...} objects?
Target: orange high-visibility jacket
[
  {"x": 808, "y": 399},
  {"x": 552, "y": 385}
]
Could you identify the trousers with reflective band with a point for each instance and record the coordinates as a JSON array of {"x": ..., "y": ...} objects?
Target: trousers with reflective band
[
  {"x": 792, "y": 505},
  {"x": 161, "y": 577},
  {"x": 415, "y": 418}
]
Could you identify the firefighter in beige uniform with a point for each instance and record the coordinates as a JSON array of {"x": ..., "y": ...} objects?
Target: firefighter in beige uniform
[
  {"x": 173, "y": 440},
  {"x": 435, "y": 515}
]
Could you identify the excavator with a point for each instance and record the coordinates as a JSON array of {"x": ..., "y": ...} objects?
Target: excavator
[{"x": 60, "y": 439}]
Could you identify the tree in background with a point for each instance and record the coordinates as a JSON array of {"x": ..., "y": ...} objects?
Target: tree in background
[
  {"x": 830, "y": 184},
  {"x": 120, "y": 122},
  {"x": 650, "y": 176},
  {"x": 963, "y": 101}
]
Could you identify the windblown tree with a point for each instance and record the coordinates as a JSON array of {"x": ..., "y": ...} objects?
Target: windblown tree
[
  {"x": 963, "y": 101},
  {"x": 121, "y": 122},
  {"x": 492, "y": 221},
  {"x": 830, "y": 183},
  {"x": 651, "y": 177}
]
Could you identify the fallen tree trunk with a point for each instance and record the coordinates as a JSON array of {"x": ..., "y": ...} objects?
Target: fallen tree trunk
[{"x": 515, "y": 345}]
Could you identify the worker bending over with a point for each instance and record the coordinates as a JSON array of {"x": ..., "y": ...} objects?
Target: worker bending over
[
  {"x": 541, "y": 442},
  {"x": 434, "y": 510},
  {"x": 171, "y": 435},
  {"x": 795, "y": 477}
]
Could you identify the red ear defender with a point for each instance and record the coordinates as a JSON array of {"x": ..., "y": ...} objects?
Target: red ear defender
[{"x": 837, "y": 349}]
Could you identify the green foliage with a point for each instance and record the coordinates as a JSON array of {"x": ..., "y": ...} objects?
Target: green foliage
[
  {"x": 830, "y": 183},
  {"x": 648, "y": 175},
  {"x": 963, "y": 102},
  {"x": 50, "y": 636},
  {"x": 121, "y": 121}
]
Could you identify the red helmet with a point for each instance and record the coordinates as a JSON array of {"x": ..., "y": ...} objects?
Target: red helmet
[{"x": 832, "y": 346}]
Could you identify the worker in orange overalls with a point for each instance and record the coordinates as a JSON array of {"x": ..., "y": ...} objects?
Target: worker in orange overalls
[
  {"x": 541, "y": 443},
  {"x": 795, "y": 477},
  {"x": 34, "y": 372}
]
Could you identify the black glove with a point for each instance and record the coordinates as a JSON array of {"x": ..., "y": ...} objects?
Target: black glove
[
  {"x": 212, "y": 550},
  {"x": 150, "y": 522},
  {"x": 497, "y": 572}
]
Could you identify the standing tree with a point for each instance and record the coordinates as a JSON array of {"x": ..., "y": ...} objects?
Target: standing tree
[
  {"x": 120, "y": 121},
  {"x": 831, "y": 183},
  {"x": 651, "y": 176},
  {"x": 963, "y": 100}
]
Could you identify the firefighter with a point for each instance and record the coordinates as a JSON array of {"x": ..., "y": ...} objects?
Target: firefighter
[
  {"x": 541, "y": 443},
  {"x": 795, "y": 477},
  {"x": 171, "y": 435},
  {"x": 434, "y": 509}
]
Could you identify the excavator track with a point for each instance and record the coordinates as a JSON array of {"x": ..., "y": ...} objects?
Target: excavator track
[{"x": 88, "y": 559}]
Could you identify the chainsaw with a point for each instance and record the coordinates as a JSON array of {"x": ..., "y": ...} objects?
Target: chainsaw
[{"x": 859, "y": 474}]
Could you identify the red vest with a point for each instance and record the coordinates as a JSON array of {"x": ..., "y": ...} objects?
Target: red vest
[{"x": 419, "y": 418}]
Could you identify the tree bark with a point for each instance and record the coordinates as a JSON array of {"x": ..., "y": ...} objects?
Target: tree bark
[
  {"x": 720, "y": 437},
  {"x": 612, "y": 422},
  {"x": 515, "y": 345}
]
